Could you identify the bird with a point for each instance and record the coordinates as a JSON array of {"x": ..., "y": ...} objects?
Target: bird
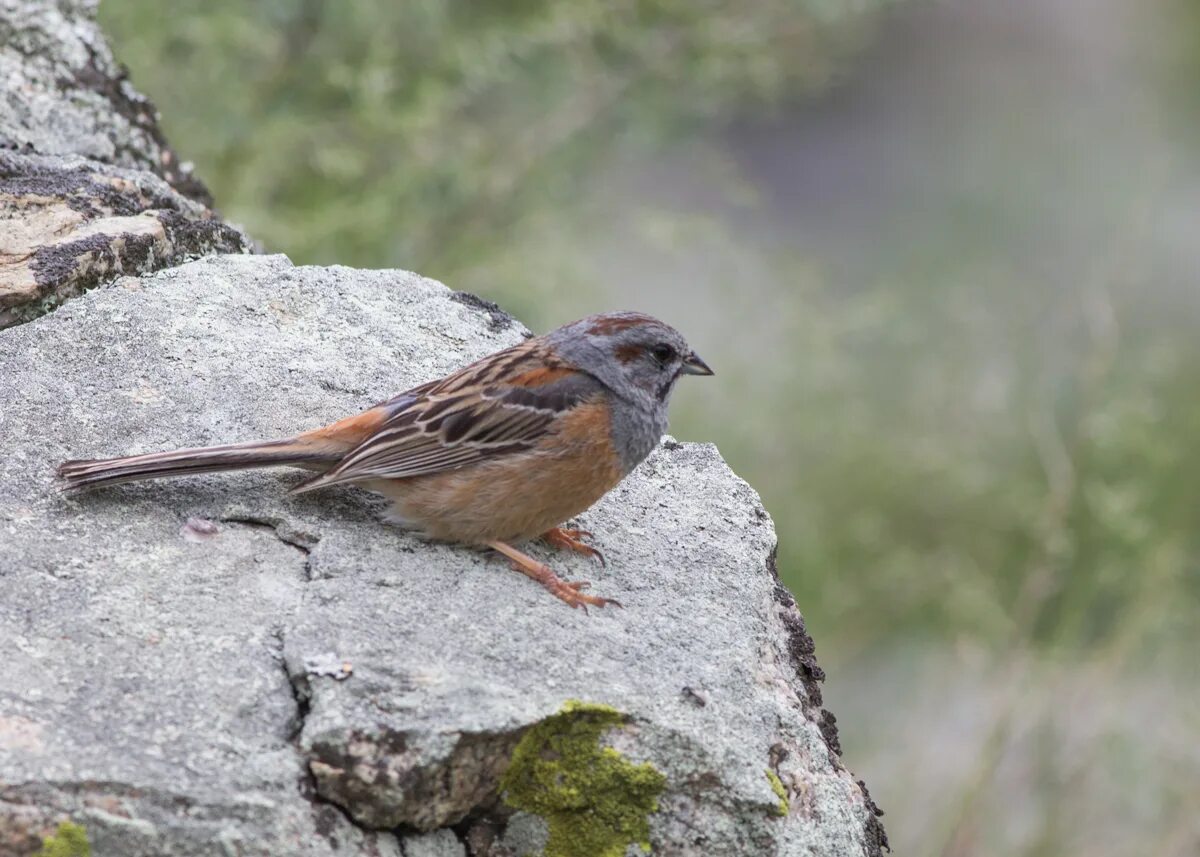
[{"x": 495, "y": 454}]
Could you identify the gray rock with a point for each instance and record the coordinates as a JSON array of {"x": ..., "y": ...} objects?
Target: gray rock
[
  {"x": 62, "y": 93},
  {"x": 209, "y": 666},
  {"x": 72, "y": 224},
  {"x": 89, "y": 189},
  {"x": 440, "y": 843}
]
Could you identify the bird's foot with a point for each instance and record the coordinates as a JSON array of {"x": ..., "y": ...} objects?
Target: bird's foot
[
  {"x": 572, "y": 540},
  {"x": 568, "y": 591}
]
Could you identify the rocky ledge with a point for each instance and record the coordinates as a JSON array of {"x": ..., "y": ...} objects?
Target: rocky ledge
[
  {"x": 206, "y": 666},
  {"x": 89, "y": 188}
]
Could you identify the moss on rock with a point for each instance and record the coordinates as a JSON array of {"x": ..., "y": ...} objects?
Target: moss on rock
[
  {"x": 69, "y": 840},
  {"x": 594, "y": 800},
  {"x": 777, "y": 786}
]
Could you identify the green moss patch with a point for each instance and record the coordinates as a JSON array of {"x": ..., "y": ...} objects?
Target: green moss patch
[
  {"x": 780, "y": 791},
  {"x": 594, "y": 800},
  {"x": 69, "y": 840}
]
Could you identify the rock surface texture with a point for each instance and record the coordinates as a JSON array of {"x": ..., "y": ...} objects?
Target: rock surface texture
[
  {"x": 89, "y": 189},
  {"x": 62, "y": 93},
  {"x": 206, "y": 666}
]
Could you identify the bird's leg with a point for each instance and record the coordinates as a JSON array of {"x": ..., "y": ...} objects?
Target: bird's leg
[
  {"x": 572, "y": 540},
  {"x": 566, "y": 590}
]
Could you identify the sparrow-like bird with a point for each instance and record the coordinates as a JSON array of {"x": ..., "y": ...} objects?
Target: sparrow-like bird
[{"x": 499, "y": 452}]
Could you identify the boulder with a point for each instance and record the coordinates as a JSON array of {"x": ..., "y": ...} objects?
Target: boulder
[
  {"x": 63, "y": 94},
  {"x": 89, "y": 188},
  {"x": 70, "y": 224},
  {"x": 208, "y": 666}
]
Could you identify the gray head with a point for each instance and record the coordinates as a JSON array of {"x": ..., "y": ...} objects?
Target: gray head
[
  {"x": 636, "y": 356},
  {"x": 639, "y": 359}
]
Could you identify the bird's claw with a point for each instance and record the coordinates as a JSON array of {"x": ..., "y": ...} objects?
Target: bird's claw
[{"x": 572, "y": 540}]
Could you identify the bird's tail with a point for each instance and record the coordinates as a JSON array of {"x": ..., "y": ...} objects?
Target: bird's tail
[{"x": 182, "y": 462}]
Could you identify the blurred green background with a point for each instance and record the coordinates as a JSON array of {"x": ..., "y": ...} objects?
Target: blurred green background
[{"x": 944, "y": 257}]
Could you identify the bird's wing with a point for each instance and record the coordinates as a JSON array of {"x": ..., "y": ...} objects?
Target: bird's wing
[{"x": 501, "y": 405}]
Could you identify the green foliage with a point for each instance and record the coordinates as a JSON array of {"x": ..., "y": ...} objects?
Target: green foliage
[
  {"x": 967, "y": 461},
  {"x": 69, "y": 840},
  {"x": 595, "y": 801},
  {"x": 431, "y": 135}
]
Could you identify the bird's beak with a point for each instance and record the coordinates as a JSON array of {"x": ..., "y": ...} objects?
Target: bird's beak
[{"x": 693, "y": 365}]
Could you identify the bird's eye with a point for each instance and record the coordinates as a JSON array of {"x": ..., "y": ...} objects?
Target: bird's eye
[{"x": 663, "y": 353}]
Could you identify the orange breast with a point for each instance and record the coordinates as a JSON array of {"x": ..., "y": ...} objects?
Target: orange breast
[{"x": 518, "y": 496}]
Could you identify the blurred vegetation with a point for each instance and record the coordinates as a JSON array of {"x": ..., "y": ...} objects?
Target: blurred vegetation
[
  {"x": 438, "y": 135},
  {"x": 981, "y": 461}
]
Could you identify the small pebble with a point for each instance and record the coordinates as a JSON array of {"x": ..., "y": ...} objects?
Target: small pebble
[{"x": 198, "y": 530}]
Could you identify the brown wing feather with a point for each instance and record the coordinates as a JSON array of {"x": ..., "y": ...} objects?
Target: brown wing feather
[{"x": 503, "y": 404}]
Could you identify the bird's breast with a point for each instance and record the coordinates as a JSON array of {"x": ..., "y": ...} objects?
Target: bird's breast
[{"x": 521, "y": 495}]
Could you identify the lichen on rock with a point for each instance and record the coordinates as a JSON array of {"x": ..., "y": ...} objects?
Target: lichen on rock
[{"x": 594, "y": 800}]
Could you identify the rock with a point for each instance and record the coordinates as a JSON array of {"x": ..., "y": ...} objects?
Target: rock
[
  {"x": 209, "y": 666},
  {"x": 441, "y": 843},
  {"x": 63, "y": 94},
  {"x": 72, "y": 224},
  {"x": 89, "y": 189}
]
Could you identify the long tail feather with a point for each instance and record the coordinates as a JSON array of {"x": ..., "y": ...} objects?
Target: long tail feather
[{"x": 183, "y": 462}]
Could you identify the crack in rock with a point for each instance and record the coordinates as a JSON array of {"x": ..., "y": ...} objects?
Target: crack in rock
[
  {"x": 327, "y": 814},
  {"x": 283, "y": 530}
]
